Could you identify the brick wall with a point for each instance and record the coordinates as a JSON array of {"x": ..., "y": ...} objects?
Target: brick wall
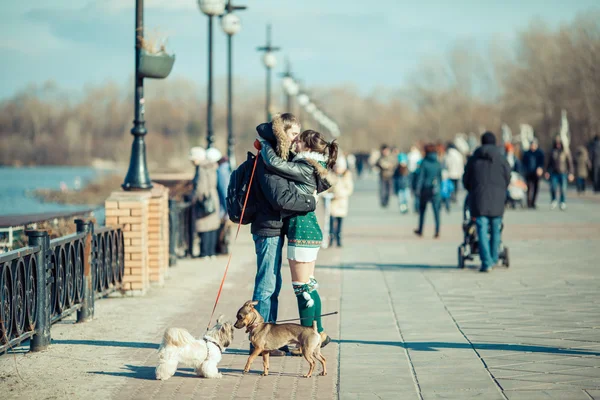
[
  {"x": 158, "y": 234},
  {"x": 131, "y": 211}
]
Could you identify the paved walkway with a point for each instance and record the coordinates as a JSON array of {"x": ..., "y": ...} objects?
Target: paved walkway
[{"x": 411, "y": 325}]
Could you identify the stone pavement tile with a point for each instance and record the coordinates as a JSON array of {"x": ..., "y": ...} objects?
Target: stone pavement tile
[
  {"x": 595, "y": 394},
  {"x": 531, "y": 367},
  {"x": 546, "y": 394},
  {"x": 462, "y": 394},
  {"x": 577, "y": 361},
  {"x": 371, "y": 395},
  {"x": 586, "y": 384},
  {"x": 555, "y": 377},
  {"x": 513, "y": 384},
  {"x": 522, "y": 358}
]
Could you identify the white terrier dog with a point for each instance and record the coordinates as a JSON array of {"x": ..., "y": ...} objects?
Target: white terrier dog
[{"x": 179, "y": 346}]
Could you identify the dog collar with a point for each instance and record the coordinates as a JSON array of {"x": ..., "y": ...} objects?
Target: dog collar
[
  {"x": 250, "y": 328},
  {"x": 208, "y": 339}
]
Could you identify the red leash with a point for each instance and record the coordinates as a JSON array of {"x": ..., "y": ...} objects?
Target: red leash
[{"x": 234, "y": 242}]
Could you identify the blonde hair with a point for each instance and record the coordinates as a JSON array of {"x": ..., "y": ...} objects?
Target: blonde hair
[{"x": 289, "y": 120}]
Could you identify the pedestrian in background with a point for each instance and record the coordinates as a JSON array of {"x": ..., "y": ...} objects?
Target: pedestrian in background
[
  {"x": 224, "y": 232},
  {"x": 447, "y": 190},
  {"x": 533, "y": 168},
  {"x": 560, "y": 171},
  {"x": 428, "y": 188},
  {"x": 595, "y": 155},
  {"x": 386, "y": 165},
  {"x": 414, "y": 161},
  {"x": 414, "y": 158},
  {"x": 402, "y": 183},
  {"x": 206, "y": 199},
  {"x": 486, "y": 178},
  {"x": 343, "y": 187},
  {"x": 455, "y": 164},
  {"x": 513, "y": 161},
  {"x": 582, "y": 168}
]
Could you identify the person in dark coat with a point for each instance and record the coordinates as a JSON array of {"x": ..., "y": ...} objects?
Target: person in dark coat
[
  {"x": 386, "y": 164},
  {"x": 533, "y": 168},
  {"x": 595, "y": 155},
  {"x": 560, "y": 171},
  {"x": 428, "y": 188},
  {"x": 486, "y": 178}
]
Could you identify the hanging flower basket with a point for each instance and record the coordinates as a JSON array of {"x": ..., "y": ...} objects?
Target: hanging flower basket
[{"x": 155, "y": 65}]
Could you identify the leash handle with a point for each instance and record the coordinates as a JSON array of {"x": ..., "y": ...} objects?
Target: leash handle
[
  {"x": 234, "y": 242},
  {"x": 300, "y": 319}
]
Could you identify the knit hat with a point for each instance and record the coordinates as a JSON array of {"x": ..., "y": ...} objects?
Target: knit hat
[
  {"x": 341, "y": 165},
  {"x": 197, "y": 154},
  {"x": 402, "y": 158},
  {"x": 213, "y": 155},
  {"x": 488, "y": 138}
]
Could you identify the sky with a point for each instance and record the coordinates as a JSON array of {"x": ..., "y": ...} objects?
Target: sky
[{"x": 329, "y": 42}]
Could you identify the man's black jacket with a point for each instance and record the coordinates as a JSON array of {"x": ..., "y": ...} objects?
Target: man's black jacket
[{"x": 487, "y": 175}]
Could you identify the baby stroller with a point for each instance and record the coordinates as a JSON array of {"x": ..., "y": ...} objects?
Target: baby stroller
[
  {"x": 517, "y": 190},
  {"x": 470, "y": 245}
]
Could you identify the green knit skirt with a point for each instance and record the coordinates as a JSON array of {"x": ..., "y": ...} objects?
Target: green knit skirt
[{"x": 304, "y": 238}]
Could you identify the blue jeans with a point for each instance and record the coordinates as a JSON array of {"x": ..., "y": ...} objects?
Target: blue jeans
[
  {"x": 580, "y": 185},
  {"x": 558, "y": 181},
  {"x": 404, "y": 197},
  {"x": 488, "y": 232},
  {"x": 267, "y": 283}
]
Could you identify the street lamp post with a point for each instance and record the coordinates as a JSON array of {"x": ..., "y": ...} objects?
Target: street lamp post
[
  {"x": 137, "y": 177},
  {"x": 231, "y": 25},
  {"x": 303, "y": 100},
  {"x": 210, "y": 8},
  {"x": 290, "y": 87},
  {"x": 270, "y": 61}
]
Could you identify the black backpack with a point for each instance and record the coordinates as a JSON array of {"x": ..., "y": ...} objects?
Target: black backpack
[{"x": 239, "y": 185}]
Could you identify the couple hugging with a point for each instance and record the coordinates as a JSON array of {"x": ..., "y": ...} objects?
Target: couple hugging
[{"x": 291, "y": 172}]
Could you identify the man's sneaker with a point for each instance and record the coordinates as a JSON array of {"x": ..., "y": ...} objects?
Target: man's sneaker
[
  {"x": 484, "y": 269},
  {"x": 325, "y": 339},
  {"x": 553, "y": 205},
  {"x": 563, "y": 206}
]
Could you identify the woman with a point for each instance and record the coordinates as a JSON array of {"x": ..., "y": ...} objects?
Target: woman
[
  {"x": 402, "y": 183},
  {"x": 308, "y": 169},
  {"x": 206, "y": 199},
  {"x": 560, "y": 171},
  {"x": 582, "y": 168},
  {"x": 342, "y": 190},
  {"x": 513, "y": 161},
  {"x": 455, "y": 163},
  {"x": 428, "y": 188}
]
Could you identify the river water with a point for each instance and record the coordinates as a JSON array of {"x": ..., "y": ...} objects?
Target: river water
[{"x": 17, "y": 184}]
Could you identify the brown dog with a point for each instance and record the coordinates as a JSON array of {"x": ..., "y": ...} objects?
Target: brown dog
[{"x": 266, "y": 337}]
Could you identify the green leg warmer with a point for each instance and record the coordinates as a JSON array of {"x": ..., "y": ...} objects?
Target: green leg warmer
[
  {"x": 306, "y": 313},
  {"x": 315, "y": 295},
  {"x": 309, "y": 302}
]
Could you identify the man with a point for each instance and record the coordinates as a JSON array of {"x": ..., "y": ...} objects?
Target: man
[
  {"x": 533, "y": 168},
  {"x": 486, "y": 178},
  {"x": 559, "y": 170},
  {"x": 278, "y": 198},
  {"x": 414, "y": 161},
  {"x": 386, "y": 164}
]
